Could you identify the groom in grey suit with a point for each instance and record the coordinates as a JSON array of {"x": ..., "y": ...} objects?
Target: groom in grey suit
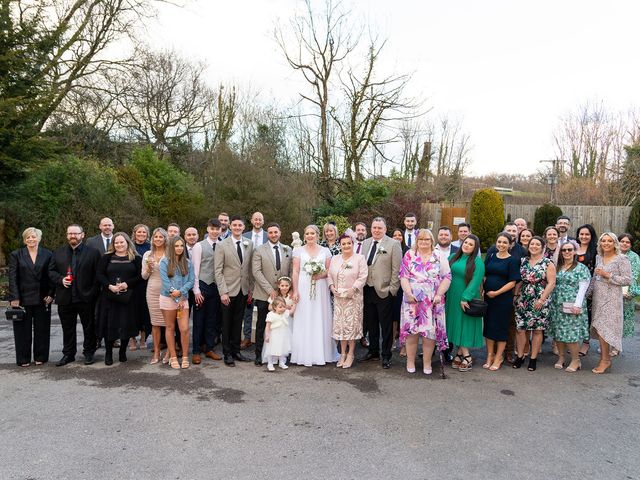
[
  {"x": 271, "y": 261},
  {"x": 384, "y": 256},
  {"x": 232, "y": 266}
]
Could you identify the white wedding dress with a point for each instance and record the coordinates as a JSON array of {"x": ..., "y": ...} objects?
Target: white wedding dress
[{"x": 311, "y": 342}]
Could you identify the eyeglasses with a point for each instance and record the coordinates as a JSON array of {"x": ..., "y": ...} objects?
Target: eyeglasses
[{"x": 563, "y": 250}]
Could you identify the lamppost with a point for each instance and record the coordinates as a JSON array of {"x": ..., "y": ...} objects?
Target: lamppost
[{"x": 553, "y": 177}]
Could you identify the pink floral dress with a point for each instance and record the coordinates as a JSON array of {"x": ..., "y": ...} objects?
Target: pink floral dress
[{"x": 423, "y": 317}]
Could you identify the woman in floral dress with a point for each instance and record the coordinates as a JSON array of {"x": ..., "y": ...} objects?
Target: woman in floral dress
[
  {"x": 629, "y": 323},
  {"x": 612, "y": 272},
  {"x": 425, "y": 278},
  {"x": 569, "y": 328},
  {"x": 538, "y": 275}
]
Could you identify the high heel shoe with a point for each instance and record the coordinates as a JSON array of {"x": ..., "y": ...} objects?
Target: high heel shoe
[
  {"x": 488, "y": 362},
  {"x": 349, "y": 361},
  {"x": 518, "y": 362},
  {"x": 173, "y": 362},
  {"x": 411, "y": 369},
  {"x": 532, "y": 364},
  {"x": 185, "y": 362},
  {"x": 340, "y": 362},
  {"x": 559, "y": 365},
  {"x": 599, "y": 371},
  {"x": 165, "y": 359},
  {"x": 154, "y": 360},
  {"x": 427, "y": 370},
  {"x": 495, "y": 366},
  {"x": 571, "y": 369}
]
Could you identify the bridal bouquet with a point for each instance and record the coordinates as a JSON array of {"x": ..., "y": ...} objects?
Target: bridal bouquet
[{"x": 313, "y": 267}]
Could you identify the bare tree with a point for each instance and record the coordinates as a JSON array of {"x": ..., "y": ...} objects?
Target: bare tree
[
  {"x": 321, "y": 41},
  {"x": 166, "y": 101}
]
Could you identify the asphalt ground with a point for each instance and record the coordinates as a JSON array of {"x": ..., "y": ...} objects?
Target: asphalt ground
[{"x": 139, "y": 421}]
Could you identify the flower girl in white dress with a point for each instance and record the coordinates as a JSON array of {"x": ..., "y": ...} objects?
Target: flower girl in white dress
[{"x": 277, "y": 335}]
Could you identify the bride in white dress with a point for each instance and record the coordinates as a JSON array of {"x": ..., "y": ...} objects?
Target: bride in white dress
[{"x": 311, "y": 342}]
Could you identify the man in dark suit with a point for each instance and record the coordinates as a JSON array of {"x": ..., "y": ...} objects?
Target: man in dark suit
[
  {"x": 409, "y": 235},
  {"x": 102, "y": 241},
  {"x": 258, "y": 237},
  {"x": 73, "y": 272}
]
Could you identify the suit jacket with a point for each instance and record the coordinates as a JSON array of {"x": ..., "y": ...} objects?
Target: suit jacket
[
  {"x": 383, "y": 272},
  {"x": 232, "y": 276},
  {"x": 84, "y": 276},
  {"x": 263, "y": 269},
  {"x": 29, "y": 282},
  {"x": 97, "y": 242},
  {"x": 249, "y": 235}
]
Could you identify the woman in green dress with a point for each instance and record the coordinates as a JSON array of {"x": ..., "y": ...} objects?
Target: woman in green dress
[
  {"x": 464, "y": 331},
  {"x": 569, "y": 320},
  {"x": 538, "y": 275},
  {"x": 629, "y": 323}
]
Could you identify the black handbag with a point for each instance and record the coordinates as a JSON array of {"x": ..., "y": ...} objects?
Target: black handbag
[
  {"x": 477, "y": 308},
  {"x": 122, "y": 297},
  {"x": 15, "y": 314}
]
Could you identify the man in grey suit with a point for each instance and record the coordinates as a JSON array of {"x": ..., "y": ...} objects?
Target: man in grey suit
[
  {"x": 258, "y": 237},
  {"x": 102, "y": 241},
  {"x": 384, "y": 256},
  {"x": 271, "y": 261},
  {"x": 232, "y": 266}
]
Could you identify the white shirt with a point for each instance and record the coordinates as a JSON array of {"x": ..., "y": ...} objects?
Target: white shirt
[
  {"x": 358, "y": 247},
  {"x": 104, "y": 241},
  {"x": 409, "y": 234},
  {"x": 273, "y": 251},
  {"x": 195, "y": 254},
  {"x": 445, "y": 251},
  {"x": 256, "y": 238}
]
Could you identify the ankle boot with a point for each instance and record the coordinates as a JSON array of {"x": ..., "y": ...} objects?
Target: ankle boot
[
  {"x": 122, "y": 353},
  {"x": 108, "y": 353}
]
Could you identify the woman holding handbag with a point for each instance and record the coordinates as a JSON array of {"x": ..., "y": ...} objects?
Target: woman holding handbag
[
  {"x": 538, "y": 275},
  {"x": 118, "y": 273},
  {"x": 569, "y": 321},
  {"x": 30, "y": 288},
  {"x": 463, "y": 330}
]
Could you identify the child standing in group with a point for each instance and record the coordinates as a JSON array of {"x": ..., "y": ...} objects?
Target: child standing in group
[
  {"x": 277, "y": 335},
  {"x": 284, "y": 291}
]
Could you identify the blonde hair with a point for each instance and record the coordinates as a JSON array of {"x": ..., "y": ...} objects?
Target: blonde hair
[
  {"x": 331, "y": 226},
  {"x": 131, "y": 250},
  {"x": 31, "y": 231},
  {"x": 278, "y": 301},
  {"x": 315, "y": 229},
  {"x": 423, "y": 231},
  {"x": 162, "y": 232},
  {"x": 138, "y": 227},
  {"x": 616, "y": 243}
]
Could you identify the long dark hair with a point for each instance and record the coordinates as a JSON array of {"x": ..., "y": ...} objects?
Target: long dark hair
[
  {"x": 592, "y": 248},
  {"x": 471, "y": 260},
  {"x": 174, "y": 261}
]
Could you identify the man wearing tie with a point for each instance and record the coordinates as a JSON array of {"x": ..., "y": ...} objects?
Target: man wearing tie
[
  {"x": 102, "y": 241},
  {"x": 232, "y": 267},
  {"x": 384, "y": 256},
  {"x": 409, "y": 235},
  {"x": 206, "y": 296},
  {"x": 258, "y": 237},
  {"x": 271, "y": 261}
]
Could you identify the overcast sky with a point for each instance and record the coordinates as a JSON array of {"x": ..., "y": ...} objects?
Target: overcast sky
[{"x": 508, "y": 69}]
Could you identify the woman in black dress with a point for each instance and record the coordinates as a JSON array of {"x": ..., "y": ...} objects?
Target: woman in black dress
[
  {"x": 140, "y": 237},
  {"x": 586, "y": 254},
  {"x": 30, "y": 288},
  {"x": 118, "y": 274},
  {"x": 502, "y": 271}
]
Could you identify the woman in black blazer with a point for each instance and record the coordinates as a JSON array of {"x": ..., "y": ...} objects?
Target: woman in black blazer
[{"x": 30, "y": 288}]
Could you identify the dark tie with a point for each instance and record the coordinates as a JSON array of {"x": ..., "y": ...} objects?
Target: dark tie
[
  {"x": 372, "y": 253},
  {"x": 359, "y": 247},
  {"x": 108, "y": 242},
  {"x": 409, "y": 240},
  {"x": 213, "y": 245},
  {"x": 278, "y": 265},
  {"x": 239, "y": 248}
]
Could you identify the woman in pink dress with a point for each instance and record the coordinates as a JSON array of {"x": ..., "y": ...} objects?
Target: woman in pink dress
[
  {"x": 151, "y": 272},
  {"x": 425, "y": 278},
  {"x": 347, "y": 276}
]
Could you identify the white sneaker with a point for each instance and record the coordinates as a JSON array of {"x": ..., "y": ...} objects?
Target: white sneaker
[
  {"x": 283, "y": 366},
  {"x": 270, "y": 367}
]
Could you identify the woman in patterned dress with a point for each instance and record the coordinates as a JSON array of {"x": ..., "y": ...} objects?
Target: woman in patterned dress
[
  {"x": 586, "y": 253},
  {"x": 425, "y": 278},
  {"x": 629, "y": 323},
  {"x": 151, "y": 272},
  {"x": 330, "y": 241},
  {"x": 538, "y": 275},
  {"x": 612, "y": 272},
  {"x": 347, "y": 277},
  {"x": 569, "y": 328},
  {"x": 551, "y": 250}
]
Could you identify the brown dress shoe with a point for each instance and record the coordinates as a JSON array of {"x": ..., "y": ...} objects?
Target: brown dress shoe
[
  {"x": 213, "y": 355},
  {"x": 195, "y": 359},
  {"x": 246, "y": 343}
]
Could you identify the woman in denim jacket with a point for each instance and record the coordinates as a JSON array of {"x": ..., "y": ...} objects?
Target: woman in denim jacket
[{"x": 177, "y": 278}]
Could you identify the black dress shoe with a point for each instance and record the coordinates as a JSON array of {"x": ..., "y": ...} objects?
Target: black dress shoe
[
  {"x": 122, "y": 356},
  {"x": 88, "y": 359},
  {"x": 239, "y": 357},
  {"x": 370, "y": 356},
  {"x": 386, "y": 363},
  {"x": 257, "y": 362},
  {"x": 228, "y": 360},
  {"x": 64, "y": 360}
]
